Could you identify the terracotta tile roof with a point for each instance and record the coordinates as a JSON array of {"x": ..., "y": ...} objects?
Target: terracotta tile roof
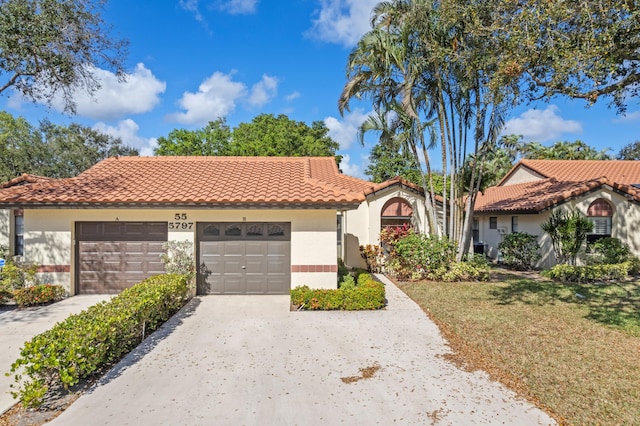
[
  {"x": 621, "y": 172},
  {"x": 219, "y": 181},
  {"x": 24, "y": 179},
  {"x": 538, "y": 195}
]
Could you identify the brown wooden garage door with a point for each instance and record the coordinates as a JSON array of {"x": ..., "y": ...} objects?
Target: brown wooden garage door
[
  {"x": 113, "y": 256},
  {"x": 244, "y": 258}
]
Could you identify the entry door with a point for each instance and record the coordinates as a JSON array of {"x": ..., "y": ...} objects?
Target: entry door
[{"x": 244, "y": 258}]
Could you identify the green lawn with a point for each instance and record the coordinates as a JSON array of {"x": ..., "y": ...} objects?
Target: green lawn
[{"x": 572, "y": 349}]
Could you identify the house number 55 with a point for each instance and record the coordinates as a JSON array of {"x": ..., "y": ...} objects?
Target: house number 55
[{"x": 180, "y": 222}]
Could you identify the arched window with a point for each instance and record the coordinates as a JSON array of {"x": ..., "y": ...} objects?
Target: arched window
[
  {"x": 600, "y": 212},
  {"x": 396, "y": 212}
]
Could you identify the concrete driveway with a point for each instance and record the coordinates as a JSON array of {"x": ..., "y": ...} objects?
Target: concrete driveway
[
  {"x": 247, "y": 360},
  {"x": 20, "y": 325}
]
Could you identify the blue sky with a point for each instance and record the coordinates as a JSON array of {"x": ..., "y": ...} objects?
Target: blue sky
[{"x": 192, "y": 61}]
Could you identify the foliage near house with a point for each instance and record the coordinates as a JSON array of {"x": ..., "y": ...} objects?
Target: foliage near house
[
  {"x": 520, "y": 250},
  {"x": 589, "y": 273},
  {"x": 568, "y": 233},
  {"x": 413, "y": 256},
  {"x": 14, "y": 276},
  {"x": 38, "y": 295},
  {"x": 365, "y": 293},
  {"x": 96, "y": 338}
]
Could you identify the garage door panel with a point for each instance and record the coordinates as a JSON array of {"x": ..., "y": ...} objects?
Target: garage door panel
[
  {"x": 233, "y": 285},
  {"x": 234, "y": 248},
  {"x": 281, "y": 248},
  {"x": 244, "y": 261},
  {"x": 255, "y": 285},
  {"x": 113, "y": 256}
]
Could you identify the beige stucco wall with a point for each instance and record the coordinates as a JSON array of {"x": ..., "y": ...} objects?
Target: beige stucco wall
[
  {"x": 362, "y": 226},
  {"x": 522, "y": 175},
  {"x": 625, "y": 224},
  {"x": 49, "y": 235}
]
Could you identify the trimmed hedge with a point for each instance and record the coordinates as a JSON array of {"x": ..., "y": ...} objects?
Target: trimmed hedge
[
  {"x": 588, "y": 273},
  {"x": 367, "y": 294},
  {"x": 38, "y": 294},
  {"x": 95, "y": 338}
]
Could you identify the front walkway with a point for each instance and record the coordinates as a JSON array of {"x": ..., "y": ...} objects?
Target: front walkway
[
  {"x": 248, "y": 360},
  {"x": 19, "y": 325}
]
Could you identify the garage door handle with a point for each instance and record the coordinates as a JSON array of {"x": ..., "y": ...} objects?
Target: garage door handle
[{"x": 244, "y": 267}]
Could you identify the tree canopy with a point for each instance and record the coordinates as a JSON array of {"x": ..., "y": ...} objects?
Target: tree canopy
[
  {"x": 52, "y": 150},
  {"x": 630, "y": 151},
  {"x": 582, "y": 49},
  {"x": 266, "y": 135},
  {"x": 50, "y": 47}
]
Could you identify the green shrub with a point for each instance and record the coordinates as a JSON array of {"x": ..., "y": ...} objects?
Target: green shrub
[
  {"x": 609, "y": 250},
  {"x": 520, "y": 250},
  {"x": 38, "y": 294},
  {"x": 342, "y": 270},
  {"x": 634, "y": 263},
  {"x": 178, "y": 258},
  {"x": 367, "y": 294},
  {"x": 588, "y": 273},
  {"x": 422, "y": 254},
  {"x": 347, "y": 283},
  {"x": 97, "y": 337},
  {"x": 17, "y": 275},
  {"x": 461, "y": 271}
]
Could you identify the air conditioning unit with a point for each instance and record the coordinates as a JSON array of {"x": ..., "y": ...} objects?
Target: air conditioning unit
[{"x": 502, "y": 230}]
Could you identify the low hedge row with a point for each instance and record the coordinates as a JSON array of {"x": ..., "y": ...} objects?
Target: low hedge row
[
  {"x": 95, "y": 338},
  {"x": 588, "y": 273},
  {"x": 38, "y": 294},
  {"x": 368, "y": 294}
]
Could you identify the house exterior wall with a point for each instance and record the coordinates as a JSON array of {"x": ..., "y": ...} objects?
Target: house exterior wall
[
  {"x": 362, "y": 226},
  {"x": 49, "y": 237},
  {"x": 522, "y": 175},
  {"x": 626, "y": 219}
]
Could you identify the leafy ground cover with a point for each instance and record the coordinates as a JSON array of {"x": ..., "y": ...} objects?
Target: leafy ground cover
[{"x": 572, "y": 349}]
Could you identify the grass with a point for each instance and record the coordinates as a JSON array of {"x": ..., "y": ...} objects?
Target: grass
[{"x": 574, "y": 350}]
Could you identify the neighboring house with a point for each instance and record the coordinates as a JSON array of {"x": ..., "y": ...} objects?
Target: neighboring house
[
  {"x": 605, "y": 191},
  {"x": 392, "y": 203},
  {"x": 11, "y": 219},
  {"x": 260, "y": 225}
]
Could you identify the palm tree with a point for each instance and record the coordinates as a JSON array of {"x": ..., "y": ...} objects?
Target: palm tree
[{"x": 424, "y": 62}]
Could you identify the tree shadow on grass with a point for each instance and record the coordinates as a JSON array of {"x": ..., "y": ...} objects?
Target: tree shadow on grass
[{"x": 612, "y": 304}]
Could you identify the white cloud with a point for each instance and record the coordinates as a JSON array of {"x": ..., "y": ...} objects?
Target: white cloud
[
  {"x": 293, "y": 96},
  {"x": 192, "y": 6},
  {"x": 541, "y": 125},
  {"x": 137, "y": 94},
  {"x": 216, "y": 97},
  {"x": 263, "y": 91},
  {"x": 345, "y": 131},
  {"x": 239, "y": 7},
  {"x": 629, "y": 116},
  {"x": 355, "y": 170},
  {"x": 342, "y": 21},
  {"x": 127, "y": 131}
]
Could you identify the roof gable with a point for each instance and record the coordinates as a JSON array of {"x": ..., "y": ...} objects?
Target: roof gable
[
  {"x": 625, "y": 172},
  {"x": 206, "y": 181},
  {"x": 536, "y": 196}
]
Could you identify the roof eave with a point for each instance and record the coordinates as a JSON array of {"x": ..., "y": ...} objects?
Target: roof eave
[{"x": 305, "y": 205}]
